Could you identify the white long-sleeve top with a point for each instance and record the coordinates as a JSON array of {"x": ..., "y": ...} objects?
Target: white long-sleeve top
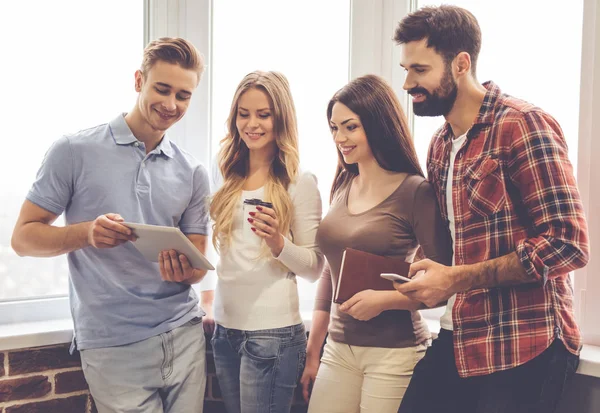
[{"x": 256, "y": 293}]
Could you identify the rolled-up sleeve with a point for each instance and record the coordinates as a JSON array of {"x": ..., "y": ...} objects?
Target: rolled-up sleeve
[{"x": 540, "y": 169}]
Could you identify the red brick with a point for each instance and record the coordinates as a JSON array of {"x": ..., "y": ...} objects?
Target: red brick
[
  {"x": 24, "y": 388},
  {"x": 41, "y": 359},
  {"x": 1, "y": 365},
  {"x": 75, "y": 404},
  {"x": 69, "y": 381}
]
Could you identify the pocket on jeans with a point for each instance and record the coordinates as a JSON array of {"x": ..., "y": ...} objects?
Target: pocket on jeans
[
  {"x": 262, "y": 348},
  {"x": 194, "y": 321},
  {"x": 216, "y": 335}
]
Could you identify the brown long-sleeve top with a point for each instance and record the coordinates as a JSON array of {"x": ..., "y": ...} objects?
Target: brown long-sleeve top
[{"x": 396, "y": 227}]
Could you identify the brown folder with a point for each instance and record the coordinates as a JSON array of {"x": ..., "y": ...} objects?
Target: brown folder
[{"x": 361, "y": 271}]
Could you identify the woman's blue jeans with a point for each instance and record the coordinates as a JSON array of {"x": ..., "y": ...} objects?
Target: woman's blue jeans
[{"x": 258, "y": 371}]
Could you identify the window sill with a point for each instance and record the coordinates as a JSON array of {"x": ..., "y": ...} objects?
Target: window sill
[
  {"x": 45, "y": 333},
  {"x": 35, "y": 334}
]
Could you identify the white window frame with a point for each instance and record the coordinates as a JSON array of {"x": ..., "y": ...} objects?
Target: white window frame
[
  {"x": 50, "y": 308},
  {"x": 192, "y": 20},
  {"x": 587, "y": 288},
  {"x": 371, "y": 51}
]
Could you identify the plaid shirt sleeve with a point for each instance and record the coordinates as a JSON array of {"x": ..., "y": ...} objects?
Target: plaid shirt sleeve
[{"x": 540, "y": 169}]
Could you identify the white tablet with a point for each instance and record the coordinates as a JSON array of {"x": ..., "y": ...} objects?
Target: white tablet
[{"x": 153, "y": 239}]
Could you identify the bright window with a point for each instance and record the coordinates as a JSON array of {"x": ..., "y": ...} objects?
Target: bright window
[
  {"x": 309, "y": 43},
  {"x": 67, "y": 66},
  {"x": 531, "y": 50}
]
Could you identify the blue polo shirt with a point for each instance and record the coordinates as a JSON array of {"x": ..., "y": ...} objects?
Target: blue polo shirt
[{"x": 117, "y": 296}]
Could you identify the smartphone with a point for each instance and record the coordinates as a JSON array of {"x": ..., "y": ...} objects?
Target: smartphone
[{"x": 394, "y": 277}]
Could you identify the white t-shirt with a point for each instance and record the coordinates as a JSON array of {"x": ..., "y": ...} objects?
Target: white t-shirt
[
  {"x": 446, "y": 320},
  {"x": 257, "y": 293}
]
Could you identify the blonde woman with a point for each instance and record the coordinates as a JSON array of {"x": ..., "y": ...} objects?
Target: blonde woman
[{"x": 266, "y": 214}]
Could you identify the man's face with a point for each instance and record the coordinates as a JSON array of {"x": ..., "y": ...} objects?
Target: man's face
[
  {"x": 164, "y": 94},
  {"x": 429, "y": 79}
]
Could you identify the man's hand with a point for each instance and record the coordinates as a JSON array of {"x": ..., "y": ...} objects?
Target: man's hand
[
  {"x": 364, "y": 305},
  {"x": 436, "y": 284},
  {"x": 176, "y": 267},
  {"x": 106, "y": 231}
]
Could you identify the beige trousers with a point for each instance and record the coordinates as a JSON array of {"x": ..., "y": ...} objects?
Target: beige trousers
[{"x": 354, "y": 379}]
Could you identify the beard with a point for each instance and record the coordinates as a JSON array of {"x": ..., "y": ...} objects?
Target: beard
[{"x": 440, "y": 101}]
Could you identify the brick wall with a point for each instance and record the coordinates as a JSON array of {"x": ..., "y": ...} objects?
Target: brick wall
[
  {"x": 49, "y": 380},
  {"x": 43, "y": 380}
]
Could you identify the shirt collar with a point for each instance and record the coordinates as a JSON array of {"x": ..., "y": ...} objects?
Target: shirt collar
[
  {"x": 165, "y": 147},
  {"x": 120, "y": 131},
  {"x": 488, "y": 107},
  {"x": 122, "y": 135},
  {"x": 486, "y": 112}
]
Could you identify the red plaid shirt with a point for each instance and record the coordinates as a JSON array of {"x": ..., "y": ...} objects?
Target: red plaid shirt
[{"x": 513, "y": 190}]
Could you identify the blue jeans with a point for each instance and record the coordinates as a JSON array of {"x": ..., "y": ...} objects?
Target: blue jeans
[
  {"x": 164, "y": 373},
  {"x": 533, "y": 387},
  {"x": 258, "y": 370}
]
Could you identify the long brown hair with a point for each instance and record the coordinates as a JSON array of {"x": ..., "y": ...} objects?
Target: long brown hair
[
  {"x": 385, "y": 125},
  {"x": 234, "y": 157}
]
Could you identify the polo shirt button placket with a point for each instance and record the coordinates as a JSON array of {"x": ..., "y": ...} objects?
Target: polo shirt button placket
[{"x": 142, "y": 183}]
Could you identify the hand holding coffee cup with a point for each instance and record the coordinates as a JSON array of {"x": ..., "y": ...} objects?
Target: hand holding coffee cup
[{"x": 264, "y": 224}]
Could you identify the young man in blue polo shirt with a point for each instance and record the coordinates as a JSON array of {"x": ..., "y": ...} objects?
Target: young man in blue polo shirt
[{"x": 137, "y": 324}]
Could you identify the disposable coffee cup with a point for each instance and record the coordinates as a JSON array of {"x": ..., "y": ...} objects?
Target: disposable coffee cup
[{"x": 250, "y": 206}]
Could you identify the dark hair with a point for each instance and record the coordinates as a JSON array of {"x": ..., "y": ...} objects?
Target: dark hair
[
  {"x": 450, "y": 30},
  {"x": 385, "y": 125},
  {"x": 174, "y": 50}
]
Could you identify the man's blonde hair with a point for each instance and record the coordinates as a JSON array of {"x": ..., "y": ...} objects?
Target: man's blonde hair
[{"x": 174, "y": 50}]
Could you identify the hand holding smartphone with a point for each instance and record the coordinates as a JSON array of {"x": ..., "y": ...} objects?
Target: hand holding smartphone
[{"x": 394, "y": 277}]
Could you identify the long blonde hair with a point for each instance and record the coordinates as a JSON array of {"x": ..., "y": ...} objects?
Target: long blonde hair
[{"x": 234, "y": 158}]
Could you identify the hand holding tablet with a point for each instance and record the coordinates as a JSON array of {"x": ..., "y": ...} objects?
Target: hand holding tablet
[{"x": 153, "y": 239}]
